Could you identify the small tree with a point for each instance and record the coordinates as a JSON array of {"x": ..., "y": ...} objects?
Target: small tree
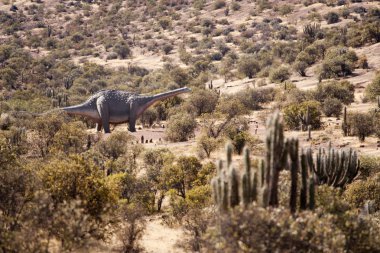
[
  {"x": 295, "y": 111},
  {"x": 248, "y": 66},
  {"x": 279, "y": 75},
  {"x": 207, "y": 145},
  {"x": 332, "y": 106},
  {"x": 180, "y": 127},
  {"x": 361, "y": 124},
  {"x": 338, "y": 62},
  {"x": 372, "y": 91},
  {"x": 203, "y": 101}
]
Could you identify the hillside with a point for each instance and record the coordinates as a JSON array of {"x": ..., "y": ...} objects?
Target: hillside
[{"x": 69, "y": 187}]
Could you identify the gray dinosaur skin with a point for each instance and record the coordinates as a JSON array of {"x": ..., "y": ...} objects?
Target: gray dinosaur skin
[{"x": 116, "y": 107}]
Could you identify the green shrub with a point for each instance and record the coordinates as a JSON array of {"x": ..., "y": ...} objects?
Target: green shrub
[
  {"x": 74, "y": 178},
  {"x": 369, "y": 166},
  {"x": 332, "y": 17},
  {"x": 274, "y": 230},
  {"x": 248, "y": 66},
  {"x": 180, "y": 127},
  {"x": 332, "y": 107},
  {"x": 165, "y": 22},
  {"x": 361, "y": 124},
  {"x": 167, "y": 48},
  {"x": 292, "y": 113},
  {"x": 218, "y": 4},
  {"x": 361, "y": 191},
  {"x": 338, "y": 62},
  {"x": 344, "y": 91},
  {"x": 372, "y": 91},
  {"x": 122, "y": 50},
  {"x": 279, "y": 75}
]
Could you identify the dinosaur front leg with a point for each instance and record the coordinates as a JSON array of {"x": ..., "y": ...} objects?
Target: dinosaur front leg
[
  {"x": 99, "y": 126},
  {"x": 132, "y": 118},
  {"x": 132, "y": 123},
  {"x": 103, "y": 110}
]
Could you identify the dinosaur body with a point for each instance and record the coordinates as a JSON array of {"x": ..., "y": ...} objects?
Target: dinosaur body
[{"x": 116, "y": 107}]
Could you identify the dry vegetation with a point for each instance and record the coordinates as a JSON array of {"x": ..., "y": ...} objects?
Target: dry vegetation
[{"x": 66, "y": 187}]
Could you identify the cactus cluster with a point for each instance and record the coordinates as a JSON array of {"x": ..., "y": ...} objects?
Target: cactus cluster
[
  {"x": 336, "y": 167},
  {"x": 311, "y": 31},
  {"x": 17, "y": 135},
  {"x": 261, "y": 184},
  {"x": 68, "y": 81},
  {"x": 231, "y": 188}
]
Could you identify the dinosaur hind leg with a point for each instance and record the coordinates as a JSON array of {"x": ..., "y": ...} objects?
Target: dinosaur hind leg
[{"x": 103, "y": 111}]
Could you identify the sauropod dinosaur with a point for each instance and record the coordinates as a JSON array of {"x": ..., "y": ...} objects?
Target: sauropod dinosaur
[{"x": 116, "y": 107}]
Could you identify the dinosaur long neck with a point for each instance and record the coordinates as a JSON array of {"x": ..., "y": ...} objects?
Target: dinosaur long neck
[{"x": 147, "y": 101}]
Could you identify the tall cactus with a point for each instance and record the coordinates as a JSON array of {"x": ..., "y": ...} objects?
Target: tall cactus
[
  {"x": 305, "y": 119},
  {"x": 345, "y": 126},
  {"x": 276, "y": 156},
  {"x": 260, "y": 184},
  {"x": 336, "y": 167}
]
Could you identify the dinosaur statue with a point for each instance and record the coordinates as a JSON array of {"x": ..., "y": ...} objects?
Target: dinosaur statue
[{"x": 116, "y": 107}]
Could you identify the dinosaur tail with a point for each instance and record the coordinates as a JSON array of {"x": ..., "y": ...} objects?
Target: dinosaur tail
[
  {"x": 80, "y": 109},
  {"x": 19, "y": 113}
]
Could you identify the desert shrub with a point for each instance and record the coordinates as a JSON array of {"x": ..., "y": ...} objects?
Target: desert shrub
[
  {"x": 361, "y": 124},
  {"x": 167, "y": 48},
  {"x": 242, "y": 139},
  {"x": 272, "y": 231},
  {"x": 372, "y": 91},
  {"x": 203, "y": 101},
  {"x": 180, "y": 127},
  {"x": 254, "y": 98},
  {"x": 338, "y": 62},
  {"x": 231, "y": 107},
  {"x": 332, "y": 107},
  {"x": 369, "y": 166},
  {"x": 284, "y": 9},
  {"x": 344, "y": 91},
  {"x": 235, "y": 6},
  {"x": 332, "y": 17},
  {"x": 361, "y": 191},
  {"x": 71, "y": 138},
  {"x": 116, "y": 145},
  {"x": 206, "y": 145},
  {"x": 300, "y": 67},
  {"x": 182, "y": 175},
  {"x": 218, "y": 4},
  {"x": 164, "y": 22},
  {"x": 122, "y": 50},
  {"x": 133, "y": 228},
  {"x": 248, "y": 66},
  {"x": 216, "y": 56},
  {"x": 279, "y": 75},
  {"x": 292, "y": 113},
  {"x": 74, "y": 178}
]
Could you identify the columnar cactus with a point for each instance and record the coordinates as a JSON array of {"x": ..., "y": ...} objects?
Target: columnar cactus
[
  {"x": 345, "y": 126},
  {"x": 260, "y": 184},
  {"x": 305, "y": 119},
  {"x": 336, "y": 167}
]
